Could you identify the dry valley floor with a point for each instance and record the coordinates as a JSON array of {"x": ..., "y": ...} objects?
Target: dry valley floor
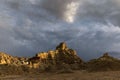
[{"x": 76, "y": 75}]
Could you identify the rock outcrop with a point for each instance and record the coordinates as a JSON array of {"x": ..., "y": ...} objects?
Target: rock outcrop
[
  {"x": 61, "y": 55},
  {"x": 106, "y": 56},
  {"x": 7, "y": 59},
  {"x": 104, "y": 63}
]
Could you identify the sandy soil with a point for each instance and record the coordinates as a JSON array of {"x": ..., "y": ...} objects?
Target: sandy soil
[{"x": 77, "y": 75}]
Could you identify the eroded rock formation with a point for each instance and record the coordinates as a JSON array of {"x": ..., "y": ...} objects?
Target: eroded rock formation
[
  {"x": 8, "y": 59},
  {"x": 62, "y": 55}
]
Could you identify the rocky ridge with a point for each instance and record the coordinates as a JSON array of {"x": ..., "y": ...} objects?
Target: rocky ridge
[
  {"x": 61, "y": 55},
  {"x": 104, "y": 63},
  {"x": 62, "y": 58},
  {"x": 8, "y": 59}
]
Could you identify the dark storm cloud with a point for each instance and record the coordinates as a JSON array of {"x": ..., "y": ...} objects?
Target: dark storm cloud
[
  {"x": 100, "y": 11},
  {"x": 30, "y": 26}
]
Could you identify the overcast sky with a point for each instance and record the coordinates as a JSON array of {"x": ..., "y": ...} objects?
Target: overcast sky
[{"x": 91, "y": 27}]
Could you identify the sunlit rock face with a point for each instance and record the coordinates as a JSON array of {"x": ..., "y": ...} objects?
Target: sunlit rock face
[
  {"x": 62, "y": 55},
  {"x": 7, "y": 59},
  {"x": 64, "y": 9}
]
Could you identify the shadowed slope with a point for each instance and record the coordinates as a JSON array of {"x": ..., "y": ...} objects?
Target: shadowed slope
[{"x": 104, "y": 63}]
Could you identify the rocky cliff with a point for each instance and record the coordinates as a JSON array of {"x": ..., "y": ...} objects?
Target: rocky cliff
[{"x": 61, "y": 55}]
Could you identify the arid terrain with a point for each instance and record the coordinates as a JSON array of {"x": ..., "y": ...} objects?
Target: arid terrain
[
  {"x": 76, "y": 75},
  {"x": 62, "y": 63},
  {"x": 59, "y": 39}
]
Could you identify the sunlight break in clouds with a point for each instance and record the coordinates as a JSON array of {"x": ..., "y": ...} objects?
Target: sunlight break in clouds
[{"x": 71, "y": 10}]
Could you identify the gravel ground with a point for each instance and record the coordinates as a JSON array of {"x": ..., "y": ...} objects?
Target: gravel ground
[{"x": 77, "y": 75}]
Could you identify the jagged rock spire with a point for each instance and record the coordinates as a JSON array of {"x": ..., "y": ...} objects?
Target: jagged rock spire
[
  {"x": 62, "y": 46},
  {"x": 106, "y": 54}
]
